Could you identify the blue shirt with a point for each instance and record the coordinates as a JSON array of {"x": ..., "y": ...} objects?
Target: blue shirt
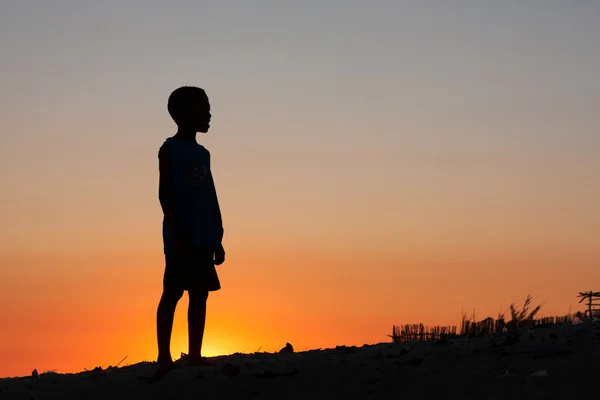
[{"x": 193, "y": 195}]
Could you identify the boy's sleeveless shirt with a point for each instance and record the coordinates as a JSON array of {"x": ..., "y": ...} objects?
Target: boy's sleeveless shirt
[{"x": 194, "y": 196}]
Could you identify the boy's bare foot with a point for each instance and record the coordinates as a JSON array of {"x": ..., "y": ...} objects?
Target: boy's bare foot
[
  {"x": 195, "y": 361},
  {"x": 164, "y": 361}
]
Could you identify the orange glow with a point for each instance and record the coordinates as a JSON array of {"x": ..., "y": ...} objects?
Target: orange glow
[{"x": 69, "y": 313}]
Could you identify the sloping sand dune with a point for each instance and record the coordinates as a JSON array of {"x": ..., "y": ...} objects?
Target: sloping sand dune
[{"x": 557, "y": 362}]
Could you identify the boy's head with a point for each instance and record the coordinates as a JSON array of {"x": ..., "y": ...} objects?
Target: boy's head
[{"x": 189, "y": 108}]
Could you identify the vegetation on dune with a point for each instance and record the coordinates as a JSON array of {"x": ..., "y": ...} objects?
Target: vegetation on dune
[
  {"x": 524, "y": 314},
  {"x": 519, "y": 317}
]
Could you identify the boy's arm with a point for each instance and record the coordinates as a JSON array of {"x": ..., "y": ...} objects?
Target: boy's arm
[
  {"x": 220, "y": 251},
  {"x": 165, "y": 189},
  {"x": 218, "y": 209},
  {"x": 216, "y": 201}
]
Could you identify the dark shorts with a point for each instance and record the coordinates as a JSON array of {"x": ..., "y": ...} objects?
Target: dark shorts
[{"x": 194, "y": 271}]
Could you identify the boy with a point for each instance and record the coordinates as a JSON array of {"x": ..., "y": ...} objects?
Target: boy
[{"x": 192, "y": 225}]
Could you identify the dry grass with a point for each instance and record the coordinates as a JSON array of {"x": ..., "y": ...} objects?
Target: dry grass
[
  {"x": 525, "y": 313},
  {"x": 519, "y": 317}
]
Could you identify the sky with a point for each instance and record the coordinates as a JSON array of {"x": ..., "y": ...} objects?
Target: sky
[{"x": 377, "y": 163}]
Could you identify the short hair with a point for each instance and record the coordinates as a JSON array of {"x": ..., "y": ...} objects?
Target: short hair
[{"x": 182, "y": 99}]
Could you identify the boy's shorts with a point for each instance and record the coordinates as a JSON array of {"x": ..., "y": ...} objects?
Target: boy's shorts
[{"x": 192, "y": 271}]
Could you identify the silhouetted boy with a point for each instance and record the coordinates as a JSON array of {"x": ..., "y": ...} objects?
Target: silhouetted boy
[{"x": 192, "y": 225}]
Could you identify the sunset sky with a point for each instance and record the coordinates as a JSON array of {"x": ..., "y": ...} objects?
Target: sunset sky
[{"x": 377, "y": 163}]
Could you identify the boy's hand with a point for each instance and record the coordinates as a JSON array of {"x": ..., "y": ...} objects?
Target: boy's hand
[{"x": 219, "y": 255}]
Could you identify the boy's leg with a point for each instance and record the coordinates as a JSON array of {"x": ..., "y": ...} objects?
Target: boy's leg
[
  {"x": 196, "y": 322},
  {"x": 164, "y": 323}
]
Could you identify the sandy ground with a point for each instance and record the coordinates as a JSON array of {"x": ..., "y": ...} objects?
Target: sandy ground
[{"x": 557, "y": 362}]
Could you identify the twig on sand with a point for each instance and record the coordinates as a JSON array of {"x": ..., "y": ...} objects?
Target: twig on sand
[
  {"x": 117, "y": 366},
  {"x": 258, "y": 349}
]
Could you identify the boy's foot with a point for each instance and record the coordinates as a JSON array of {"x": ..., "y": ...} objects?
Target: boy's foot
[
  {"x": 194, "y": 361},
  {"x": 164, "y": 361}
]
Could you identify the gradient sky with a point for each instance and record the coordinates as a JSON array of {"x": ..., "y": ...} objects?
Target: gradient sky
[{"x": 377, "y": 163}]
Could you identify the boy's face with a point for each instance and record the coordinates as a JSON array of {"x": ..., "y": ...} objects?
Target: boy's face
[{"x": 200, "y": 115}]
